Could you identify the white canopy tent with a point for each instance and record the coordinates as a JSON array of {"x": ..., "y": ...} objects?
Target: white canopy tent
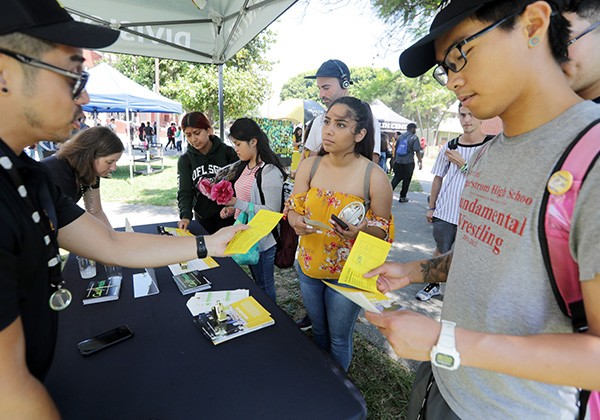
[
  {"x": 111, "y": 91},
  {"x": 202, "y": 31},
  {"x": 389, "y": 120}
]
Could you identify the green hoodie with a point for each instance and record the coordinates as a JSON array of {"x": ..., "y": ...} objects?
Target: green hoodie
[{"x": 192, "y": 166}]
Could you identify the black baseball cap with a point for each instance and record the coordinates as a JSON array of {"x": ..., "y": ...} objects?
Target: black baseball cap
[
  {"x": 420, "y": 57},
  {"x": 332, "y": 68},
  {"x": 49, "y": 21}
]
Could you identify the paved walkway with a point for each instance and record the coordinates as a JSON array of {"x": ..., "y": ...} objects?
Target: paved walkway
[{"x": 413, "y": 240}]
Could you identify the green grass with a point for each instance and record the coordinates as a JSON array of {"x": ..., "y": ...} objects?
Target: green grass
[
  {"x": 384, "y": 383},
  {"x": 158, "y": 189}
]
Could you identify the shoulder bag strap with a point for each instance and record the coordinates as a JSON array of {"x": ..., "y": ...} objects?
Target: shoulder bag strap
[
  {"x": 367, "y": 185},
  {"x": 314, "y": 169}
]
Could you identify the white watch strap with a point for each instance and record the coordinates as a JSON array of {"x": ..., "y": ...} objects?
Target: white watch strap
[{"x": 447, "y": 339}]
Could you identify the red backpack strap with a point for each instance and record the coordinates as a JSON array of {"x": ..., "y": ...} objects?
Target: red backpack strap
[{"x": 555, "y": 224}]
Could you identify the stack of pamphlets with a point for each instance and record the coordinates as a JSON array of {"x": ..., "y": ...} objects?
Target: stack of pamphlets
[
  {"x": 191, "y": 282},
  {"x": 223, "y": 323},
  {"x": 102, "y": 291}
]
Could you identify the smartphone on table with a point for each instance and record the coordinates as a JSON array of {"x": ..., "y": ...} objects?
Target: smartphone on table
[{"x": 101, "y": 341}]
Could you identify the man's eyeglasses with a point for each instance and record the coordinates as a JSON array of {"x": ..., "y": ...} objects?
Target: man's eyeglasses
[
  {"x": 80, "y": 78},
  {"x": 587, "y": 31},
  {"x": 455, "y": 59}
]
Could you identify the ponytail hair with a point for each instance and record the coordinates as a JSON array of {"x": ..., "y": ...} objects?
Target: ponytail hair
[{"x": 246, "y": 129}]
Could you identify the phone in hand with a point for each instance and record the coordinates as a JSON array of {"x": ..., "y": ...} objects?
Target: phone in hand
[
  {"x": 101, "y": 341},
  {"x": 339, "y": 222}
]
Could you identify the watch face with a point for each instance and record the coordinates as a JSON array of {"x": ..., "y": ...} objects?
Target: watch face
[{"x": 444, "y": 360}]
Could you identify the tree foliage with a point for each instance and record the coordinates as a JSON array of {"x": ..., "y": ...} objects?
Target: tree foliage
[{"x": 245, "y": 79}]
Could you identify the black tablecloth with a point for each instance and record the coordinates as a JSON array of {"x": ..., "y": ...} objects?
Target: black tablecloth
[{"x": 169, "y": 370}]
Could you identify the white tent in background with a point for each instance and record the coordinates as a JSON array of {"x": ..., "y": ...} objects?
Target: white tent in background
[
  {"x": 388, "y": 119},
  {"x": 111, "y": 91},
  {"x": 202, "y": 31}
]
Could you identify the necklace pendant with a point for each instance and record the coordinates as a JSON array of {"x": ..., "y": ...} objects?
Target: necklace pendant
[{"x": 60, "y": 299}]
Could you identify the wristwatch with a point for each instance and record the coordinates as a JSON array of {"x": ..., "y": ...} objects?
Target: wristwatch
[{"x": 444, "y": 354}]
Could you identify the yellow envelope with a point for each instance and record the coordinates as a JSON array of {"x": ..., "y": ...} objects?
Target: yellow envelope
[
  {"x": 367, "y": 253},
  {"x": 260, "y": 226}
]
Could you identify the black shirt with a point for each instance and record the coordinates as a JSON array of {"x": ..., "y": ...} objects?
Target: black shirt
[
  {"x": 24, "y": 274},
  {"x": 65, "y": 177}
]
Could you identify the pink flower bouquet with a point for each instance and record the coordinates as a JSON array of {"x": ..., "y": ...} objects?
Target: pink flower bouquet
[
  {"x": 205, "y": 186},
  {"x": 221, "y": 192}
]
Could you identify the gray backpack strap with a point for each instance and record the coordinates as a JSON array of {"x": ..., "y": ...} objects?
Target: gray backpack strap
[
  {"x": 314, "y": 169},
  {"x": 367, "y": 185}
]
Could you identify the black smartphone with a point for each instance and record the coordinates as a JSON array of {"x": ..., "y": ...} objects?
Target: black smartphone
[
  {"x": 104, "y": 340},
  {"x": 340, "y": 222}
]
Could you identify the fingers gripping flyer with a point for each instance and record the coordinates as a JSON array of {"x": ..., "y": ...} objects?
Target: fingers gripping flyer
[
  {"x": 263, "y": 222},
  {"x": 367, "y": 253}
]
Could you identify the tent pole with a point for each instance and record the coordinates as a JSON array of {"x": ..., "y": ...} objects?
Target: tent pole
[
  {"x": 129, "y": 145},
  {"x": 221, "y": 122}
]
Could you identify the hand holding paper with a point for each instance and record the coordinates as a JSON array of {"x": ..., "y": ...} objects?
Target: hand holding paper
[
  {"x": 260, "y": 226},
  {"x": 368, "y": 252}
]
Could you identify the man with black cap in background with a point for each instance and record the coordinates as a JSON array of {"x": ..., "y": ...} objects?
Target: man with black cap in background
[
  {"x": 504, "y": 349},
  {"x": 42, "y": 90}
]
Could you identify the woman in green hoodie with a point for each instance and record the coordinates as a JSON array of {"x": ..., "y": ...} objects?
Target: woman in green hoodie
[{"x": 205, "y": 156}]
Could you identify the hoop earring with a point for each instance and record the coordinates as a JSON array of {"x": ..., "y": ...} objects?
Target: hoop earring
[{"x": 534, "y": 41}]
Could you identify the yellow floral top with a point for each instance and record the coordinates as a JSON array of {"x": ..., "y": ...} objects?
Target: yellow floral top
[{"x": 322, "y": 255}]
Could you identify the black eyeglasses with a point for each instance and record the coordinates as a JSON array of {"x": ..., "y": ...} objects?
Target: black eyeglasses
[
  {"x": 455, "y": 59},
  {"x": 80, "y": 78},
  {"x": 587, "y": 31}
]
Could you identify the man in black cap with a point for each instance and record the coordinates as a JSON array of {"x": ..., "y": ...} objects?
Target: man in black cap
[
  {"x": 503, "y": 348},
  {"x": 42, "y": 90},
  {"x": 333, "y": 81}
]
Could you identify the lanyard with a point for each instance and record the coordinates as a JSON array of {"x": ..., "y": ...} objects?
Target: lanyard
[{"x": 61, "y": 298}]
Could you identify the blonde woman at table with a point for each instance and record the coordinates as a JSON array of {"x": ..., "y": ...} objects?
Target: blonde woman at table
[
  {"x": 324, "y": 185},
  {"x": 80, "y": 163},
  {"x": 260, "y": 183}
]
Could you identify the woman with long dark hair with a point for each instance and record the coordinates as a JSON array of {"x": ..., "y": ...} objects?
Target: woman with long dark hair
[
  {"x": 341, "y": 175},
  {"x": 80, "y": 162},
  {"x": 205, "y": 155},
  {"x": 260, "y": 183}
]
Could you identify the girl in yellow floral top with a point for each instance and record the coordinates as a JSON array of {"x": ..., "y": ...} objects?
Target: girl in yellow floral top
[{"x": 324, "y": 185}]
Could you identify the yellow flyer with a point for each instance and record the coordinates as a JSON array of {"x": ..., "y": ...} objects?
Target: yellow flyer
[
  {"x": 260, "y": 226},
  {"x": 368, "y": 252}
]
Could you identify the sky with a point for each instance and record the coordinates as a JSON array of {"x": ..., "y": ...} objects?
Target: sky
[{"x": 308, "y": 35}]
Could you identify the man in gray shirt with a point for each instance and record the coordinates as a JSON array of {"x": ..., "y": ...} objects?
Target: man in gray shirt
[{"x": 503, "y": 348}]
